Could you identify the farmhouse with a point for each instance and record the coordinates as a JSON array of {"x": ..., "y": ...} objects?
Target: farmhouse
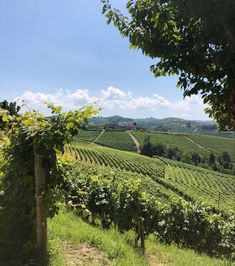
[{"x": 121, "y": 126}]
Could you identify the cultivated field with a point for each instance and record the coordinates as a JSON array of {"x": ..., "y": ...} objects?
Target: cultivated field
[
  {"x": 216, "y": 144},
  {"x": 117, "y": 140},
  {"x": 86, "y": 136},
  {"x": 183, "y": 180}
]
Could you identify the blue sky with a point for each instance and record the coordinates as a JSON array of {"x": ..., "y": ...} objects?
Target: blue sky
[{"x": 64, "y": 51}]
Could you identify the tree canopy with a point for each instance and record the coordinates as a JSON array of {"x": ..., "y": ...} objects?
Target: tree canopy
[
  {"x": 194, "y": 39},
  {"x": 11, "y": 107}
]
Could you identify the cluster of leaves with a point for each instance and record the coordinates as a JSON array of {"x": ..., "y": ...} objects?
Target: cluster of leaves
[
  {"x": 188, "y": 42},
  {"x": 28, "y": 134},
  {"x": 12, "y": 108},
  {"x": 120, "y": 201},
  {"x": 221, "y": 163}
]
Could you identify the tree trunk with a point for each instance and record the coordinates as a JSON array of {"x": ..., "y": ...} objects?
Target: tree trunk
[
  {"x": 41, "y": 219},
  {"x": 232, "y": 106}
]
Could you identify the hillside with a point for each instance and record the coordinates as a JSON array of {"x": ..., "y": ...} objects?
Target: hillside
[
  {"x": 166, "y": 125},
  {"x": 173, "y": 179},
  {"x": 202, "y": 146},
  {"x": 74, "y": 242}
]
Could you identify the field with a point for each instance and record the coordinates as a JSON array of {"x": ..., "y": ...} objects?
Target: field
[
  {"x": 190, "y": 182},
  {"x": 216, "y": 144},
  {"x": 172, "y": 140},
  {"x": 86, "y": 136},
  {"x": 117, "y": 140}
]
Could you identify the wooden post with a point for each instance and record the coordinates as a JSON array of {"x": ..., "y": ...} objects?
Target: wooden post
[
  {"x": 41, "y": 219},
  {"x": 141, "y": 232},
  {"x": 218, "y": 200}
]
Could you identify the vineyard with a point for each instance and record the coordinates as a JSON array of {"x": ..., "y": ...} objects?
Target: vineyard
[
  {"x": 216, "y": 144},
  {"x": 171, "y": 140},
  {"x": 86, "y": 136},
  {"x": 117, "y": 140},
  {"x": 132, "y": 202},
  {"x": 183, "y": 180}
]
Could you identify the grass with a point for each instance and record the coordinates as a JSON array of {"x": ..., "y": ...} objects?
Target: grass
[
  {"x": 118, "y": 247},
  {"x": 68, "y": 226},
  {"x": 172, "y": 255}
]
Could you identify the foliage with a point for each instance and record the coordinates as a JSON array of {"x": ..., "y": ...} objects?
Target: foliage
[
  {"x": 198, "y": 47},
  {"x": 11, "y": 107},
  {"x": 67, "y": 226},
  {"x": 29, "y": 133},
  {"x": 122, "y": 202},
  {"x": 172, "y": 140},
  {"x": 147, "y": 148},
  {"x": 192, "y": 149},
  {"x": 225, "y": 160},
  {"x": 173, "y": 178}
]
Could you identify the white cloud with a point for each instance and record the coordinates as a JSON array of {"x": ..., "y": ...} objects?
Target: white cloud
[
  {"x": 113, "y": 93},
  {"x": 116, "y": 101}
]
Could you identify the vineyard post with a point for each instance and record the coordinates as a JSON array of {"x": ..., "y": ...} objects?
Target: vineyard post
[
  {"x": 41, "y": 219},
  {"x": 219, "y": 200},
  {"x": 141, "y": 232}
]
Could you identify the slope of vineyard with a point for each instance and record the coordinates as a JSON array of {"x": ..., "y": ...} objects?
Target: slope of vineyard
[
  {"x": 86, "y": 136},
  {"x": 71, "y": 234},
  {"x": 204, "y": 186},
  {"x": 148, "y": 185},
  {"x": 216, "y": 144},
  {"x": 190, "y": 182},
  {"x": 117, "y": 140},
  {"x": 172, "y": 140}
]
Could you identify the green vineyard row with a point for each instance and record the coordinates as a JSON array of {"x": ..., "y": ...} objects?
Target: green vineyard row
[{"x": 189, "y": 182}]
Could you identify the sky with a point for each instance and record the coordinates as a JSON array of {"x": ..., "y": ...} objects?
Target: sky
[{"x": 64, "y": 52}]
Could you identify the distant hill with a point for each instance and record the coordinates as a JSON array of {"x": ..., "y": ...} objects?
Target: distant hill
[{"x": 170, "y": 124}]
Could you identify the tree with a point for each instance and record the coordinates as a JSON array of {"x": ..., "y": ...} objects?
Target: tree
[
  {"x": 225, "y": 160},
  {"x": 174, "y": 153},
  {"x": 195, "y": 158},
  {"x": 211, "y": 159},
  {"x": 194, "y": 39},
  {"x": 159, "y": 149},
  {"x": 147, "y": 148},
  {"x": 12, "y": 109}
]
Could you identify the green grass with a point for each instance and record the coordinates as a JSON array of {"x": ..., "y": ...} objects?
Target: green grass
[
  {"x": 117, "y": 140},
  {"x": 68, "y": 226},
  {"x": 172, "y": 255},
  {"x": 118, "y": 247}
]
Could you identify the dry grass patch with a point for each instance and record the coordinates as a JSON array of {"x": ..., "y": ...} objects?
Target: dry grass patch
[{"x": 83, "y": 254}]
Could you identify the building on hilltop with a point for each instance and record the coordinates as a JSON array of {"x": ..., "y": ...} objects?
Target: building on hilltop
[{"x": 121, "y": 126}]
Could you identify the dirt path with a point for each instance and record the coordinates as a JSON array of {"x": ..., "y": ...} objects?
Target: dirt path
[
  {"x": 197, "y": 144},
  {"x": 137, "y": 144},
  {"x": 94, "y": 141},
  {"x": 83, "y": 254}
]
